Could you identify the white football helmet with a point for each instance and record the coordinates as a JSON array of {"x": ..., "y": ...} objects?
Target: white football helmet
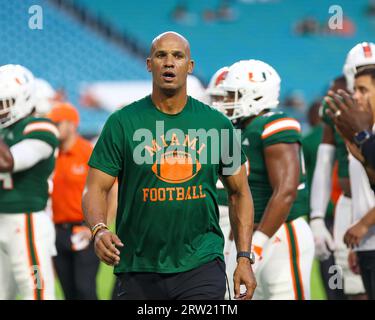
[
  {"x": 16, "y": 94},
  {"x": 360, "y": 55},
  {"x": 214, "y": 88},
  {"x": 256, "y": 87},
  {"x": 43, "y": 97}
]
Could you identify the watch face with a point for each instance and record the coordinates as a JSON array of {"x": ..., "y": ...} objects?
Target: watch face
[
  {"x": 252, "y": 257},
  {"x": 361, "y": 137}
]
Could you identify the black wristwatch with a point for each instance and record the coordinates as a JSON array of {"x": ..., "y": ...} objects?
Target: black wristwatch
[
  {"x": 361, "y": 137},
  {"x": 246, "y": 254}
]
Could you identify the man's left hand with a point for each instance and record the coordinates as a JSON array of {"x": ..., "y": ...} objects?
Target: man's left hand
[
  {"x": 355, "y": 234},
  {"x": 244, "y": 275}
]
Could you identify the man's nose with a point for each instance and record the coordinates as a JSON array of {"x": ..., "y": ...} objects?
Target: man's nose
[
  {"x": 356, "y": 96},
  {"x": 169, "y": 61}
]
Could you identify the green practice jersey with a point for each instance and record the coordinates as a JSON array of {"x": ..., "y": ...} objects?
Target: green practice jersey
[
  {"x": 167, "y": 216},
  {"x": 341, "y": 154},
  {"x": 266, "y": 130},
  {"x": 27, "y": 191}
]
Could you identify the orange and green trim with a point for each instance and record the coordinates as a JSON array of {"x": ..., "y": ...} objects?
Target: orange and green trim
[
  {"x": 33, "y": 256},
  {"x": 294, "y": 259}
]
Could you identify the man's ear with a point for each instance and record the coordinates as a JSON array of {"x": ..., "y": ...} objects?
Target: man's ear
[
  {"x": 191, "y": 67},
  {"x": 148, "y": 63}
]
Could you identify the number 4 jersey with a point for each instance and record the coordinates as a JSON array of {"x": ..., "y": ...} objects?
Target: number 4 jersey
[
  {"x": 266, "y": 130},
  {"x": 27, "y": 191}
]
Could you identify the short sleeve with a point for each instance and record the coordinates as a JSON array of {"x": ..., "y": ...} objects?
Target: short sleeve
[
  {"x": 283, "y": 129},
  {"x": 108, "y": 153},
  {"x": 42, "y": 129},
  {"x": 232, "y": 156}
]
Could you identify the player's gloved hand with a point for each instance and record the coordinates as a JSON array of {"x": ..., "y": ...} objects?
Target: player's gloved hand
[
  {"x": 80, "y": 238},
  {"x": 324, "y": 244},
  {"x": 258, "y": 242}
]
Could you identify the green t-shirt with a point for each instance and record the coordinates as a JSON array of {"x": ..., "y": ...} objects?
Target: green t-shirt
[
  {"x": 263, "y": 131},
  {"x": 341, "y": 154},
  {"x": 167, "y": 216},
  {"x": 27, "y": 191},
  {"x": 310, "y": 144},
  {"x": 222, "y": 196}
]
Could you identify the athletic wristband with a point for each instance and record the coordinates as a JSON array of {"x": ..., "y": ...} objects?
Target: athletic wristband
[{"x": 95, "y": 229}]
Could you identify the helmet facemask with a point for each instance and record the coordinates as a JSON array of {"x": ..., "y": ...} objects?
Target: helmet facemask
[
  {"x": 16, "y": 90},
  {"x": 251, "y": 86}
]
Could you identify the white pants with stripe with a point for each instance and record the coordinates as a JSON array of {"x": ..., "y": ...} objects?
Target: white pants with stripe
[
  {"x": 225, "y": 226},
  {"x": 228, "y": 250},
  {"x": 343, "y": 220},
  {"x": 27, "y": 244},
  {"x": 284, "y": 272}
]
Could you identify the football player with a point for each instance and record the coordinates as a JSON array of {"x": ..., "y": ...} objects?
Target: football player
[
  {"x": 45, "y": 97},
  {"x": 333, "y": 146},
  {"x": 282, "y": 240},
  {"x": 215, "y": 94},
  {"x": 27, "y": 146}
]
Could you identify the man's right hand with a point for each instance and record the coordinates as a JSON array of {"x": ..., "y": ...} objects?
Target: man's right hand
[
  {"x": 244, "y": 275},
  {"x": 324, "y": 243},
  {"x": 105, "y": 243}
]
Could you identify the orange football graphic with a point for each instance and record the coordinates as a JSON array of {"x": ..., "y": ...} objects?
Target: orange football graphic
[{"x": 176, "y": 167}]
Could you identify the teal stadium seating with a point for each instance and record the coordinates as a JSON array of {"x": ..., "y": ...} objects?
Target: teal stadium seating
[
  {"x": 67, "y": 53},
  {"x": 262, "y": 31}
]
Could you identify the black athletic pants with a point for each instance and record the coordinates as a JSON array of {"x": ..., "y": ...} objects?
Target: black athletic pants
[
  {"x": 76, "y": 269},
  {"x": 366, "y": 261},
  {"x": 207, "y": 282}
]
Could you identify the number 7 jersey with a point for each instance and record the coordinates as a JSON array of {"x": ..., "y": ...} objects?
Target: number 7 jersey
[
  {"x": 27, "y": 191},
  {"x": 266, "y": 130}
]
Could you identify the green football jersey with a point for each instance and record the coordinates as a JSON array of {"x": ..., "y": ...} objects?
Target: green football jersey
[
  {"x": 341, "y": 154},
  {"x": 27, "y": 191},
  {"x": 167, "y": 216},
  {"x": 266, "y": 130}
]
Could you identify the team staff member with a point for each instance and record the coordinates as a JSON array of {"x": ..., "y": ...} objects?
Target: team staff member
[
  {"x": 168, "y": 218},
  {"x": 341, "y": 104},
  {"x": 76, "y": 263}
]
